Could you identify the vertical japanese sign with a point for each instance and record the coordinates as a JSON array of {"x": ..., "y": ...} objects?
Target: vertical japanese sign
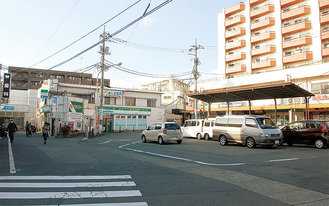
[{"x": 6, "y": 85}]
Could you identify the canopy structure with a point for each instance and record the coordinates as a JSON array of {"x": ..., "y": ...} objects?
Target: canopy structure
[{"x": 254, "y": 92}]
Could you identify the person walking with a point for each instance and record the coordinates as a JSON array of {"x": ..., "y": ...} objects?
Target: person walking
[
  {"x": 45, "y": 132},
  {"x": 12, "y": 128},
  {"x": 28, "y": 129}
]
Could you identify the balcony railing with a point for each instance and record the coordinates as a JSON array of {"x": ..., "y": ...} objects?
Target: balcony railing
[
  {"x": 294, "y": 42},
  {"x": 235, "y": 20},
  {"x": 254, "y": 2},
  {"x": 325, "y": 52},
  {"x": 324, "y": 4},
  {"x": 289, "y": 2},
  {"x": 263, "y": 23},
  {"x": 235, "y": 45},
  {"x": 236, "y": 69},
  {"x": 260, "y": 11},
  {"x": 324, "y": 19},
  {"x": 263, "y": 37},
  {"x": 263, "y": 64},
  {"x": 234, "y": 9},
  {"x": 263, "y": 50},
  {"x": 297, "y": 12},
  {"x": 325, "y": 34},
  {"x": 298, "y": 57},
  {"x": 298, "y": 26},
  {"x": 235, "y": 57},
  {"x": 235, "y": 33}
]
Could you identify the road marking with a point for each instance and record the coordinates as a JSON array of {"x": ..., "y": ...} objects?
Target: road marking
[
  {"x": 111, "y": 177},
  {"x": 69, "y": 195},
  {"x": 67, "y": 185},
  {"x": 105, "y": 142},
  {"x": 177, "y": 158},
  {"x": 110, "y": 204},
  {"x": 11, "y": 158},
  {"x": 282, "y": 160}
]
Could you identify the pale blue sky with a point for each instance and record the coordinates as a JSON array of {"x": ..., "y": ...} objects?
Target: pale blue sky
[{"x": 32, "y": 30}]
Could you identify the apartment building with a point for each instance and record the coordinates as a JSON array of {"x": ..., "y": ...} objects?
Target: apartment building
[{"x": 272, "y": 41}]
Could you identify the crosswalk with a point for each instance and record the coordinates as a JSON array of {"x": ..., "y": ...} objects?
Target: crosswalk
[{"x": 69, "y": 190}]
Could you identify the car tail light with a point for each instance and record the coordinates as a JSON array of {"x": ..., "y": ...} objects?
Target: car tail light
[
  {"x": 324, "y": 130},
  {"x": 164, "y": 131}
]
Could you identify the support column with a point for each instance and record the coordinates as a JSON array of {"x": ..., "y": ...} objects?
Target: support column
[
  {"x": 249, "y": 106},
  {"x": 228, "y": 108},
  {"x": 209, "y": 109},
  {"x": 275, "y": 111}
]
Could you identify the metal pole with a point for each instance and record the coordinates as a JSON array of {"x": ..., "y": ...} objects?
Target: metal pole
[{"x": 102, "y": 81}]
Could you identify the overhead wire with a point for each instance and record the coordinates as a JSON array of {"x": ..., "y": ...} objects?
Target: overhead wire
[
  {"x": 87, "y": 33},
  {"x": 115, "y": 33}
]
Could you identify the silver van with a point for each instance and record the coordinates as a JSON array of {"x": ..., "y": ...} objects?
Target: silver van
[
  {"x": 208, "y": 125},
  {"x": 247, "y": 130},
  {"x": 193, "y": 128}
]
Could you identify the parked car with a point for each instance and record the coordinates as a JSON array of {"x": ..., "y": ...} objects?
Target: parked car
[
  {"x": 247, "y": 130},
  {"x": 163, "y": 132},
  {"x": 208, "y": 125},
  {"x": 311, "y": 132},
  {"x": 193, "y": 128}
]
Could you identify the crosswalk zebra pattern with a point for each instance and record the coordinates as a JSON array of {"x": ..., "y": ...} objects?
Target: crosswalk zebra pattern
[{"x": 74, "y": 190}]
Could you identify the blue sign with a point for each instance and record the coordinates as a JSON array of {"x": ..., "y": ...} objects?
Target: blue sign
[{"x": 7, "y": 108}]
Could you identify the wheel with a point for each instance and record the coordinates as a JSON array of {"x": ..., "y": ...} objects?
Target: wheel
[
  {"x": 160, "y": 140},
  {"x": 289, "y": 143},
  {"x": 250, "y": 142},
  {"x": 206, "y": 136},
  {"x": 199, "y": 136},
  {"x": 222, "y": 140},
  {"x": 144, "y": 139},
  {"x": 319, "y": 143},
  {"x": 179, "y": 141}
]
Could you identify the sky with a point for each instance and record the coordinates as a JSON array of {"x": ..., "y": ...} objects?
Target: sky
[{"x": 33, "y": 30}]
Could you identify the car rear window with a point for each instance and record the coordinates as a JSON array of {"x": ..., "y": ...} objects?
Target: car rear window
[{"x": 172, "y": 126}]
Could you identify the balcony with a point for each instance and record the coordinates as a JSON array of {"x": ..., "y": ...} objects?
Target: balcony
[
  {"x": 263, "y": 64},
  {"x": 235, "y": 33},
  {"x": 260, "y": 11},
  {"x": 304, "y": 56},
  {"x": 324, "y": 34},
  {"x": 300, "y": 41},
  {"x": 236, "y": 69},
  {"x": 296, "y": 27},
  {"x": 324, "y": 19},
  {"x": 324, "y": 4},
  {"x": 263, "y": 50},
  {"x": 235, "y": 57},
  {"x": 263, "y": 23},
  {"x": 235, "y": 45},
  {"x": 235, "y": 20},
  {"x": 297, "y": 12},
  {"x": 289, "y": 2},
  {"x": 263, "y": 37},
  {"x": 325, "y": 52},
  {"x": 234, "y": 9},
  {"x": 254, "y": 2}
]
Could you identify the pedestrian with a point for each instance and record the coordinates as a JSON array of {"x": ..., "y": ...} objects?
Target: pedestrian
[
  {"x": 45, "y": 132},
  {"x": 12, "y": 128},
  {"x": 28, "y": 129}
]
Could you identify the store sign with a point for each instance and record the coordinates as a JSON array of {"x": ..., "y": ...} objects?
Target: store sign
[
  {"x": 320, "y": 97},
  {"x": 75, "y": 117},
  {"x": 7, "y": 108},
  {"x": 45, "y": 109},
  {"x": 76, "y": 107},
  {"x": 44, "y": 94},
  {"x": 6, "y": 85},
  {"x": 113, "y": 93}
]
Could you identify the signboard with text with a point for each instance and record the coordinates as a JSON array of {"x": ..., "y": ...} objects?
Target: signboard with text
[{"x": 6, "y": 85}]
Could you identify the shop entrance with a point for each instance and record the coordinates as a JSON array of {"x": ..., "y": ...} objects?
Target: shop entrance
[{"x": 108, "y": 123}]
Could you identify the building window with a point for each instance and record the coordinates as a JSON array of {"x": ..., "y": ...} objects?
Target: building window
[
  {"x": 52, "y": 76},
  {"x": 110, "y": 100},
  {"x": 166, "y": 97},
  {"x": 320, "y": 88},
  {"x": 151, "y": 103},
  {"x": 60, "y": 76},
  {"x": 130, "y": 101}
]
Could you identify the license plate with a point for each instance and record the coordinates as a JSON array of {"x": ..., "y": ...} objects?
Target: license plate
[
  {"x": 174, "y": 138},
  {"x": 277, "y": 142}
]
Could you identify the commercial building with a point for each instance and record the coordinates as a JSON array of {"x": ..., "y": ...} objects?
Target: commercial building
[{"x": 266, "y": 41}]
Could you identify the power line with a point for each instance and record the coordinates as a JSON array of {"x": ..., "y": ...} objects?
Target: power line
[
  {"x": 87, "y": 34},
  {"x": 115, "y": 33}
]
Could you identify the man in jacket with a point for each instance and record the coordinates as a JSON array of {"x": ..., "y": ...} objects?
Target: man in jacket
[{"x": 12, "y": 128}]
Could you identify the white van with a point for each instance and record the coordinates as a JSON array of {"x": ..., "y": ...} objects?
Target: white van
[
  {"x": 193, "y": 128},
  {"x": 247, "y": 130},
  {"x": 208, "y": 125}
]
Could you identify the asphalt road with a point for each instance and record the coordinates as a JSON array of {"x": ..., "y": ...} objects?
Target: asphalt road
[{"x": 119, "y": 168}]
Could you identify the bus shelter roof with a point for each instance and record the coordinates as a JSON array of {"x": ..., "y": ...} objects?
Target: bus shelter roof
[{"x": 252, "y": 92}]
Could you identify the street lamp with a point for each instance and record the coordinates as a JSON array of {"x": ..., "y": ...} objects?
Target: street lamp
[{"x": 101, "y": 97}]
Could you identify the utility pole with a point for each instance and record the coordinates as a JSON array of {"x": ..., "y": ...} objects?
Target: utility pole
[
  {"x": 104, "y": 50},
  {"x": 195, "y": 72}
]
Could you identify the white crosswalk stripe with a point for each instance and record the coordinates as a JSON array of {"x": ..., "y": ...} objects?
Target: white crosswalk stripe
[{"x": 18, "y": 188}]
